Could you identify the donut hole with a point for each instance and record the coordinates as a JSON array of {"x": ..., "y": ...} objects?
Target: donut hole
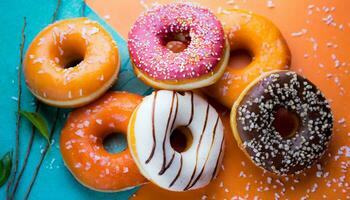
[
  {"x": 73, "y": 62},
  {"x": 181, "y": 139},
  {"x": 70, "y": 52},
  {"x": 286, "y": 122},
  {"x": 72, "y": 57},
  {"x": 240, "y": 58},
  {"x": 177, "y": 41},
  {"x": 114, "y": 143}
]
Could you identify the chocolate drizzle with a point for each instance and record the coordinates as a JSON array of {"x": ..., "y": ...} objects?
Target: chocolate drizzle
[
  {"x": 217, "y": 161},
  {"x": 167, "y": 166},
  {"x": 153, "y": 129},
  {"x": 198, "y": 146},
  {"x": 178, "y": 172},
  {"x": 164, "y": 167},
  {"x": 192, "y": 110},
  {"x": 177, "y": 108},
  {"x": 206, "y": 160}
]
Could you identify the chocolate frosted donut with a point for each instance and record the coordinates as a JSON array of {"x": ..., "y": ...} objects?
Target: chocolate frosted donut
[{"x": 253, "y": 122}]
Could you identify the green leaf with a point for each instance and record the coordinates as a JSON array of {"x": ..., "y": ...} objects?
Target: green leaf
[
  {"x": 2, "y": 170},
  {"x": 1, "y": 166},
  {"x": 5, "y": 169},
  {"x": 39, "y": 122}
]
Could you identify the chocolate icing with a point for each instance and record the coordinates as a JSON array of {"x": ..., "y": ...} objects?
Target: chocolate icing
[{"x": 255, "y": 116}]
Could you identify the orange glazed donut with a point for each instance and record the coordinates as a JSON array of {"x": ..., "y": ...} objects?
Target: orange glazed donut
[
  {"x": 265, "y": 43},
  {"x": 82, "y": 148},
  {"x": 65, "y": 57}
]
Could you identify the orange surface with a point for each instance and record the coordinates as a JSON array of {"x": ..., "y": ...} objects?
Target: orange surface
[{"x": 320, "y": 52}]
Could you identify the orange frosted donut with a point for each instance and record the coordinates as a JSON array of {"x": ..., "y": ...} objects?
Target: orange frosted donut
[
  {"x": 67, "y": 55},
  {"x": 264, "y": 42},
  {"x": 82, "y": 148}
]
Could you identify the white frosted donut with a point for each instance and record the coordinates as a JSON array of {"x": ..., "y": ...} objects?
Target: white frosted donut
[{"x": 149, "y": 132}]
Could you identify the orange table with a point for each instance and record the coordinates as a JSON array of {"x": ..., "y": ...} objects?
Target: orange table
[{"x": 318, "y": 33}]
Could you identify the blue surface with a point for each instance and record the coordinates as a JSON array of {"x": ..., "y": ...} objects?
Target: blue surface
[{"x": 54, "y": 181}]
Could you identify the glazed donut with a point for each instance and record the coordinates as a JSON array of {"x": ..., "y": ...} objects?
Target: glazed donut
[
  {"x": 151, "y": 126},
  {"x": 253, "y": 115},
  {"x": 82, "y": 148},
  {"x": 202, "y": 63},
  {"x": 265, "y": 43},
  {"x": 65, "y": 56}
]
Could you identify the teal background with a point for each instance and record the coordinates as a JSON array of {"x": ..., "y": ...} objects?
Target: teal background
[{"x": 54, "y": 181}]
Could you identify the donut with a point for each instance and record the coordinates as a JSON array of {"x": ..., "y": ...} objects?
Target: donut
[
  {"x": 82, "y": 149},
  {"x": 151, "y": 126},
  {"x": 201, "y": 63},
  {"x": 253, "y": 118},
  {"x": 265, "y": 44},
  {"x": 65, "y": 56}
]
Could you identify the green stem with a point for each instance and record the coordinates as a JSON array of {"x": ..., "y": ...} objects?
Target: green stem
[
  {"x": 55, "y": 14},
  {"x": 54, "y": 18},
  {"x": 83, "y": 8},
  {"x": 18, "y": 119},
  {"x": 37, "y": 168},
  {"x": 29, "y": 148}
]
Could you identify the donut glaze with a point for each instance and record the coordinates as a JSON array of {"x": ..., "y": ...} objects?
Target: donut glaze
[
  {"x": 266, "y": 45},
  {"x": 81, "y": 144},
  {"x": 252, "y": 117},
  {"x": 51, "y": 67},
  {"x": 149, "y": 139},
  {"x": 202, "y": 58}
]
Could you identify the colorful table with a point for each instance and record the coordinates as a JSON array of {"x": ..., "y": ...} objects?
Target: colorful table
[{"x": 317, "y": 33}]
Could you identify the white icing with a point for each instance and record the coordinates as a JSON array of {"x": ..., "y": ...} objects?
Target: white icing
[{"x": 208, "y": 151}]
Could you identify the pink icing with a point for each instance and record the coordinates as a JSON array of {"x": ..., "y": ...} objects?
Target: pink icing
[{"x": 149, "y": 54}]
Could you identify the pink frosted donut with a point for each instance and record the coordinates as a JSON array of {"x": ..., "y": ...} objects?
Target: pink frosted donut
[{"x": 201, "y": 63}]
